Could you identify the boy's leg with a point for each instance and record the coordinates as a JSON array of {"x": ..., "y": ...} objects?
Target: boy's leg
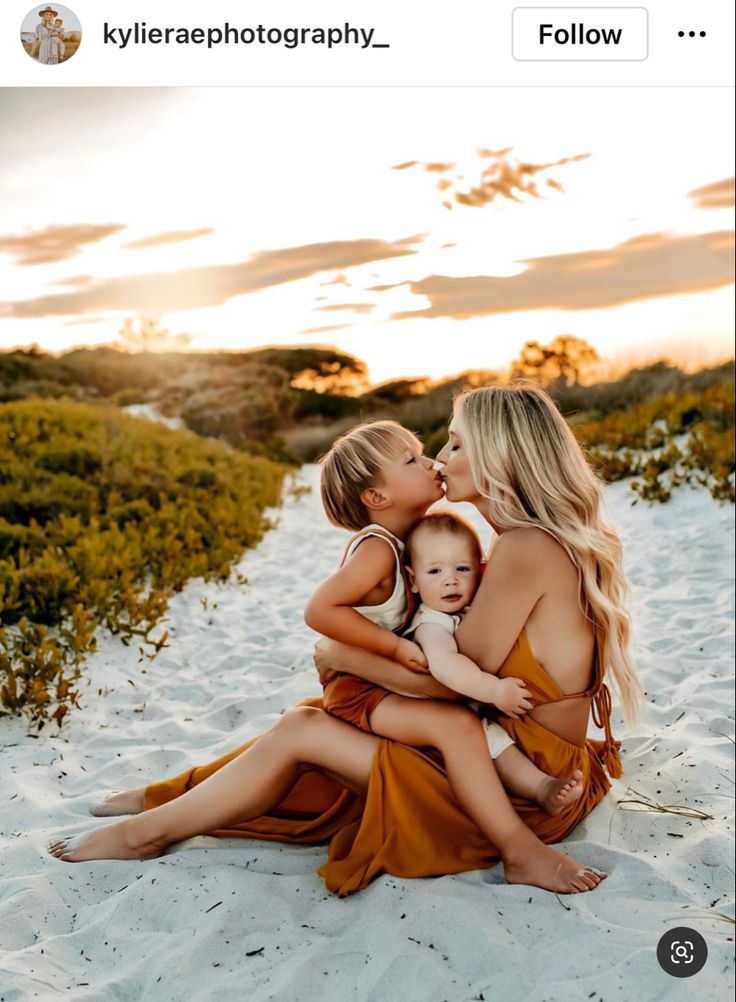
[
  {"x": 459, "y": 736},
  {"x": 423, "y": 723}
]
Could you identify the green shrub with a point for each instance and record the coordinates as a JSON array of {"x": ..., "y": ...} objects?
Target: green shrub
[{"x": 102, "y": 517}]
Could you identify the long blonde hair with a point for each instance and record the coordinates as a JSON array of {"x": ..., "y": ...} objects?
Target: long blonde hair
[{"x": 530, "y": 471}]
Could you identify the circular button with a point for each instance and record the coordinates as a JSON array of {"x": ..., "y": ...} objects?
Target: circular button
[{"x": 682, "y": 952}]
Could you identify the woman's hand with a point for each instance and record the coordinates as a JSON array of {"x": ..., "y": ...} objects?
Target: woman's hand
[{"x": 324, "y": 659}]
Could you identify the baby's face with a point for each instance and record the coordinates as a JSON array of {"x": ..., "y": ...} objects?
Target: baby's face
[{"x": 445, "y": 570}]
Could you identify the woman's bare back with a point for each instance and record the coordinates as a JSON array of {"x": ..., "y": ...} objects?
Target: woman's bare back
[{"x": 562, "y": 641}]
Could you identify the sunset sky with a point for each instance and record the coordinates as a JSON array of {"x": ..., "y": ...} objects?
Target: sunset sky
[{"x": 244, "y": 217}]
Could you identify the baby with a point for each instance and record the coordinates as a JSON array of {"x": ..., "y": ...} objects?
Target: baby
[
  {"x": 376, "y": 482},
  {"x": 444, "y": 561}
]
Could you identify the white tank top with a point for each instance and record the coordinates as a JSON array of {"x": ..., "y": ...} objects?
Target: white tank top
[{"x": 392, "y": 613}]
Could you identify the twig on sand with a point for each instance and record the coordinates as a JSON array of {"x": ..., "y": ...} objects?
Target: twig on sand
[
  {"x": 561, "y": 902},
  {"x": 646, "y": 804},
  {"x": 559, "y": 899},
  {"x": 705, "y": 913}
]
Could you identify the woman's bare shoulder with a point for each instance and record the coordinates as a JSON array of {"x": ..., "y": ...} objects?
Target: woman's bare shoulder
[{"x": 531, "y": 548}]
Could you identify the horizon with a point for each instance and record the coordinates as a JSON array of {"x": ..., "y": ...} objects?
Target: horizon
[{"x": 603, "y": 372}]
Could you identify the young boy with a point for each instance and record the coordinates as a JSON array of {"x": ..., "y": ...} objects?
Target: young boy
[
  {"x": 376, "y": 481},
  {"x": 57, "y": 39}
]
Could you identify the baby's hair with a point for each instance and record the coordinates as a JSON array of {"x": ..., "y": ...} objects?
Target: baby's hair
[
  {"x": 58, "y": 21},
  {"x": 442, "y": 521},
  {"x": 355, "y": 462}
]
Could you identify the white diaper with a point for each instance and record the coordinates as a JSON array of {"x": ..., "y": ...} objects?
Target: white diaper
[{"x": 496, "y": 737}]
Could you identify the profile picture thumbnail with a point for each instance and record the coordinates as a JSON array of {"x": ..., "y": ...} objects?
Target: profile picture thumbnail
[{"x": 51, "y": 34}]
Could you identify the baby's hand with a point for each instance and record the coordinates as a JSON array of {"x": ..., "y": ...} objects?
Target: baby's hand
[
  {"x": 512, "y": 697},
  {"x": 411, "y": 656}
]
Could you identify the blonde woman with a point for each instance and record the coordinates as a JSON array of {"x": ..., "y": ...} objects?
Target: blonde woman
[
  {"x": 43, "y": 43},
  {"x": 551, "y": 596}
]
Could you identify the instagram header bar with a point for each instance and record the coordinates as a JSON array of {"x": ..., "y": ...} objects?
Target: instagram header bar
[{"x": 338, "y": 43}]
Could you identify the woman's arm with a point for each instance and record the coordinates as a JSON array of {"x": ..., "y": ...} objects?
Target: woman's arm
[{"x": 330, "y": 657}]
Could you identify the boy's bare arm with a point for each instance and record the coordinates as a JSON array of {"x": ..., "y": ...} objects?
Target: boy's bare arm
[
  {"x": 458, "y": 672},
  {"x": 331, "y": 657},
  {"x": 329, "y": 610}
]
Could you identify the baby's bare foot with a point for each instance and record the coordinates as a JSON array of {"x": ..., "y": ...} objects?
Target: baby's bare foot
[
  {"x": 127, "y": 802},
  {"x": 115, "y": 841},
  {"x": 555, "y": 795},
  {"x": 544, "y": 867}
]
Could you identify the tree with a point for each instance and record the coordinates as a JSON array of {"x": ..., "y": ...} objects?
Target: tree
[
  {"x": 566, "y": 359},
  {"x": 150, "y": 336}
]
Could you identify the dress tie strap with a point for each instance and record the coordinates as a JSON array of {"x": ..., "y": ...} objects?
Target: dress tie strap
[{"x": 601, "y": 711}]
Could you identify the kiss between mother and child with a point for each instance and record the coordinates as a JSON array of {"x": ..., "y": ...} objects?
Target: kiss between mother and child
[{"x": 452, "y": 728}]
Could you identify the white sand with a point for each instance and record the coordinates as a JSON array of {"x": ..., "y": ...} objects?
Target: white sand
[{"x": 182, "y": 927}]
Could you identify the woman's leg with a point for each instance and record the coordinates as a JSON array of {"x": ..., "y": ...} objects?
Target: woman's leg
[
  {"x": 458, "y": 734},
  {"x": 248, "y": 787}
]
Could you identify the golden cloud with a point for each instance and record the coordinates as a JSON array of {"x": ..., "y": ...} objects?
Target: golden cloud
[
  {"x": 355, "y": 307},
  {"x": 199, "y": 288},
  {"x": 324, "y": 330},
  {"x": 498, "y": 176},
  {"x": 718, "y": 195},
  {"x": 173, "y": 237},
  {"x": 645, "y": 267},
  {"x": 55, "y": 243}
]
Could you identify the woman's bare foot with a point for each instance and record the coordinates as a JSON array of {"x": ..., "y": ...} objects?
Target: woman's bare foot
[
  {"x": 555, "y": 795},
  {"x": 114, "y": 841},
  {"x": 541, "y": 866},
  {"x": 127, "y": 802}
]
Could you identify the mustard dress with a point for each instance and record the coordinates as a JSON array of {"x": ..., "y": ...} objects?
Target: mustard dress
[{"x": 408, "y": 823}]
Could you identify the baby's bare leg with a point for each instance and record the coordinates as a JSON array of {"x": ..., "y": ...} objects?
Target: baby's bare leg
[{"x": 521, "y": 777}]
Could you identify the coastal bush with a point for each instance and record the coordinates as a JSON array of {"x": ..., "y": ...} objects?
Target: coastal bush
[
  {"x": 669, "y": 440},
  {"x": 102, "y": 517}
]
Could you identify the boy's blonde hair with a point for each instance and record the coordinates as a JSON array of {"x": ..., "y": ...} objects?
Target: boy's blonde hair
[
  {"x": 354, "y": 463},
  {"x": 443, "y": 521}
]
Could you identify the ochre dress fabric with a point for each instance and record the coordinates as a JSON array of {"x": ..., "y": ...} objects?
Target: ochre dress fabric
[{"x": 409, "y": 823}]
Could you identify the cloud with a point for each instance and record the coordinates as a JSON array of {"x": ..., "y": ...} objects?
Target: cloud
[
  {"x": 337, "y": 280},
  {"x": 656, "y": 264},
  {"x": 55, "y": 243},
  {"x": 74, "y": 280},
  {"x": 198, "y": 288},
  {"x": 498, "y": 176},
  {"x": 718, "y": 195},
  {"x": 92, "y": 319},
  {"x": 355, "y": 307},
  {"x": 323, "y": 330},
  {"x": 173, "y": 237}
]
